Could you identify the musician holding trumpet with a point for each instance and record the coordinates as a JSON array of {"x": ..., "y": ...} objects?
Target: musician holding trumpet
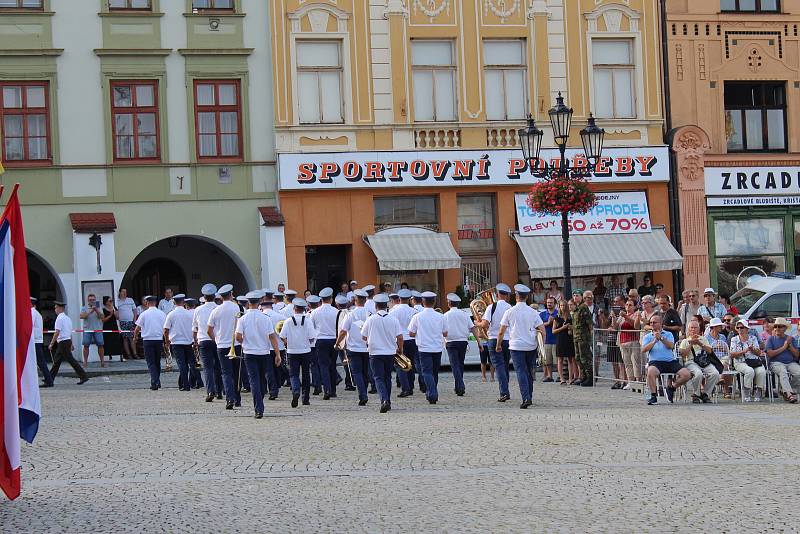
[
  {"x": 256, "y": 333},
  {"x": 384, "y": 338},
  {"x": 221, "y": 328}
]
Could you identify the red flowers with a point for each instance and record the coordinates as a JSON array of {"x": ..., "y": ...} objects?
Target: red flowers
[{"x": 555, "y": 195}]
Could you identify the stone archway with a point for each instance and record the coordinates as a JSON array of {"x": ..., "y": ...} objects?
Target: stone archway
[{"x": 45, "y": 285}]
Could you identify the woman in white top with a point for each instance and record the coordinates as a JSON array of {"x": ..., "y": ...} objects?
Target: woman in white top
[
  {"x": 539, "y": 293},
  {"x": 127, "y": 314},
  {"x": 646, "y": 313},
  {"x": 746, "y": 354},
  {"x": 554, "y": 291}
]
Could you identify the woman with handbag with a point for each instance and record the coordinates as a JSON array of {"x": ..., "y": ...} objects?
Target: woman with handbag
[
  {"x": 746, "y": 355},
  {"x": 694, "y": 350}
]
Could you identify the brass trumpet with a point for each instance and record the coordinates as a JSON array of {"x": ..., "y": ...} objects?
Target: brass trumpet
[
  {"x": 279, "y": 326},
  {"x": 232, "y": 353},
  {"x": 168, "y": 362},
  {"x": 403, "y": 362}
]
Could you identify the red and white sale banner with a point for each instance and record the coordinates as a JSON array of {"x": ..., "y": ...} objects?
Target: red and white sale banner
[{"x": 623, "y": 212}]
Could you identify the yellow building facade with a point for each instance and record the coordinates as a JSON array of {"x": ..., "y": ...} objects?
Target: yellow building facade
[{"x": 364, "y": 90}]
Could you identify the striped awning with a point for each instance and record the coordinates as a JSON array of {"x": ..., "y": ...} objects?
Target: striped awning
[
  {"x": 600, "y": 254},
  {"x": 414, "y": 252}
]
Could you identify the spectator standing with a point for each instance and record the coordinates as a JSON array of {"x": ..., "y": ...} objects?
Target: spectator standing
[
  {"x": 582, "y": 325},
  {"x": 634, "y": 296},
  {"x": 554, "y": 291},
  {"x": 112, "y": 343},
  {"x": 600, "y": 292},
  {"x": 615, "y": 289},
  {"x": 782, "y": 353},
  {"x": 746, "y": 355},
  {"x": 166, "y": 304},
  {"x": 92, "y": 317},
  {"x": 646, "y": 313},
  {"x": 37, "y": 333},
  {"x": 629, "y": 343},
  {"x": 710, "y": 307},
  {"x": 670, "y": 318},
  {"x": 539, "y": 293},
  {"x": 689, "y": 308},
  {"x": 126, "y": 314},
  {"x": 549, "y": 352},
  {"x": 647, "y": 288}
]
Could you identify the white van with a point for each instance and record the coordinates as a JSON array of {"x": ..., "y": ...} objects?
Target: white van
[{"x": 768, "y": 297}]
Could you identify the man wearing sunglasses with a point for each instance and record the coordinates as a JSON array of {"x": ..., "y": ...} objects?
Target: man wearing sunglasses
[{"x": 782, "y": 353}]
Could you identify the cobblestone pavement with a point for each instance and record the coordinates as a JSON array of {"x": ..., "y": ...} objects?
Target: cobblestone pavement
[{"x": 113, "y": 456}]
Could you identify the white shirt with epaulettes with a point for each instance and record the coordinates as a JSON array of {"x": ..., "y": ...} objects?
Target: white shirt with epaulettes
[
  {"x": 275, "y": 317},
  {"x": 324, "y": 318},
  {"x": 200, "y": 320},
  {"x": 494, "y": 314},
  {"x": 381, "y": 331},
  {"x": 298, "y": 333},
  {"x": 223, "y": 319},
  {"x": 352, "y": 325},
  {"x": 403, "y": 313},
  {"x": 255, "y": 328}
]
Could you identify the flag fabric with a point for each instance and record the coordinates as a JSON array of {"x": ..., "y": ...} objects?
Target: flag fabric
[{"x": 21, "y": 408}]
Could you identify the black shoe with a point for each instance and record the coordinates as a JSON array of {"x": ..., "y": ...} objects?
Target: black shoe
[
  {"x": 209, "y": 398},
  {"x": 333, "y": 396},
  {"x": 653, "y": 401},
  {"x": 504, "y": 398},
  {"x": 385, "y": 407},
  {"x": 363, "y": 402},
  {"x": 317, "y": 392},
  {"x": 229, "y": 406},
  {"x": 273, "y": 397},
  {"x": 295, "y": 398},
  {"x": 245, "y": 390},
  {"x": 617, "y": 385},
  {"x": 576, "y": 382},
  {"x": 350, "y": 388},
  {"x": 338, "y": 380},
  {"x": 238, "y": 404},
  {"x": 432, "y": 401},
  {"x": 259, "y": 415},
  {"x": 326, "y": 397},
  {"x": 670, "y": 393},
  {"x": 423, "y": 389},
  {"x": 46, "y": 386},
  {"x": 587, "y": 383},
  {"x": 403, "y": 394},
  {"x": 548, "y": 380},
  {"x": 524, "y": 405},
  {"x": 83, "y": 380},
  {"x": 306, "y": 402},
  {"x": 219, "y": 396},
  {"x": 696, "y": 400},
  {"x": 460, "y": 393},
  {"x": 152, "y": 388},
  {"x": 705, "y": 398},
  {"x": 373, "y": 391}
]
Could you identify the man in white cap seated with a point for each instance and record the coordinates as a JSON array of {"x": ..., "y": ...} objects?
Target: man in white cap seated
[
  {"x": 370, "y": 304},
  {"x": 178, "y": 333},
  {"x": 403, "y": 312},
  {"x": 324, "y": 318},
  {"x": 297, "y": 334},
  {"x": 221, "y": 326},
  {"x": 428, "y": 330},
  {"x": 384, "y": 338},
  {"x": 522, "y": 323},
  {"x": 491, "y": 324},
  {"x": 206, "y": 345},
  {"x": 150, "y": 325},
  {"x": 458, "y": 325},
  {"x": 357, "y": 352},
  {"x": 256, "y": 333}
]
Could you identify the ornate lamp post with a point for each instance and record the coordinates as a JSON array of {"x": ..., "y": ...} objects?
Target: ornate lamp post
[{"x": 564, "y": 188}]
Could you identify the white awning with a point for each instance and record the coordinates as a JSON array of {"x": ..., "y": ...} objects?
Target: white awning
[
  {"x": 414, "y": 251},
  {"x": 600, "y": 254}
]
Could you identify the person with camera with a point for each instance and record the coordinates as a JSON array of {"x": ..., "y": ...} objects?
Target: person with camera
[
  {"x": 92, "y": 316},
  {"x": 746, "y": 354},
  {"x": 694, "y": 350}
]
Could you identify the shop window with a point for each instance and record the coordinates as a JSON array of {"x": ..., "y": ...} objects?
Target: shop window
[
  {"x": 434, "y": 79},
  {"x": 777, "y": 305},
  {"x": 213, "y": 5},
  {"x": 319, "y": 82},
  {"x": 755, "y": 117},
  {"x": 218, "y": 112},
  {"x": 613, "y": 72},
  {"x": 129, "y": 5},
  {"x": 400, "y": 211},
  {"x": 750, "y": 6},
  {"x": 24, "y": 122},
  {"x": 506, "y": 77},
  {"x": 747, "y": 243},
  {"x": 476, "y": 223},
  {"x": 22, "y": 4},
  {"x": 134, "y": 117}
]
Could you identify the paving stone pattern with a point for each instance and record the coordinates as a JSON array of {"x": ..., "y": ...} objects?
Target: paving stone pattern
[{"x": 112, "y": 456}]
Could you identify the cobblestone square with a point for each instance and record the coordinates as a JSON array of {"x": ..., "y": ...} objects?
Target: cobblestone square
[{"x": 114, "y": 456}]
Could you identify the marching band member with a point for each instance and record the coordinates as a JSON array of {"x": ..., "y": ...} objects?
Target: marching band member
[
  {"x": 357, "y": 352},
  {"x": 195, "y": 378},
  {"x": 370, "y": 304},
  {"x": 206, "y": 344},
  {"x": 403, "y": 312},
  {"x": 256, "y": 333},
  {"x": 297, "y": 334},
  {"x": 277, "y": 301},
  {"x": 384, "y": 338},
  {"x": 417, "y": 302},
  {"x": 351, "y": 296},
  {"x": 342, "y": 305},
  {"x": 61, "y": 345},
  {"x": 312, "y": 303},
  {"x": 458, "y": 325},
  {"x": 178, "y": 338},
  {"x": 491, "y": 323},
  {"x": 277, "y": 375},
  {"x": 288, "y": 296},
  {"x": 324, "y": 318},
  {"x": 394, "y": 300},
  {"x": 522, "y": 324},
  {"x": 221, "y": 324},
  {"x": 150, "y": 325},
  {"x": 428, "y": 329}
]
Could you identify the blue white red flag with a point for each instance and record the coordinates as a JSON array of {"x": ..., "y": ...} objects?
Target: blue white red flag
[{"x": 21, "y": 407}]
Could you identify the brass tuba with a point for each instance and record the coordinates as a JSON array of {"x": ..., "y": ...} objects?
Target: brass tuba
[
  {"x": 479, "y": 306},
  {"x": 403, "y": 362}
]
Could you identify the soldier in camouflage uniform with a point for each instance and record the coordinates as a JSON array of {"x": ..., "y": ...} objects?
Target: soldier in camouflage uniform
[{"x": 582, "y": 323}]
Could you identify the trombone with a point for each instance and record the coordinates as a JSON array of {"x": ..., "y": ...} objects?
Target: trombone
[{"x": 232, "y": 353}]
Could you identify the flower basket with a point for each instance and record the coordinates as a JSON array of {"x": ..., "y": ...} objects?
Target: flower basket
[{"x": 555, "y": 195}]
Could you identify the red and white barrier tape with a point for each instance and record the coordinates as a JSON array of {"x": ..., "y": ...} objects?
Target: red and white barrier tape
[{"x": 94, "y": 331}]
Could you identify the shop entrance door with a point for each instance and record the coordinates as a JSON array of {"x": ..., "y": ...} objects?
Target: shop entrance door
[{"x": 326, "y": 266}]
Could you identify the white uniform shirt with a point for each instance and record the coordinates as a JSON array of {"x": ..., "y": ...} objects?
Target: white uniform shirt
[
  {"x": 298, "y": 332},
  {"x": 125, "y": 308},
  {"x": 429, "y": 327},
  {"x": 324, "y": 319},
  {"x": 222, "y": 319},
  {"x": 38, "y": 326},
  {"x": 166, "y": 306},
  {"x": 64, "y": 327},
  {"x": 255, "y": 328},
  {"x": 151, "y": 323},
  {"x": 381, "y": 331},
  {"x": 370, "y": 306},
  {"x": 419, "y": 307},
  {"x": 458, "y": 325},
  {"x": 494, "y": 319},
  {"x": 287, "y": 310},
  {"x": 521, "y": 322},
  {"x": 403, "y": 313},
  {"x": 200, "y": 320},
  {"x": 278, "y": 306},
  {"x": 179, "y": 323},
  {"x": 275, "y": 317},
  {"x": 352, "y": 325}
]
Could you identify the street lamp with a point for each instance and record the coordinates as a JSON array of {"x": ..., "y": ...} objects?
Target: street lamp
[{"x": 530, "y": 139}]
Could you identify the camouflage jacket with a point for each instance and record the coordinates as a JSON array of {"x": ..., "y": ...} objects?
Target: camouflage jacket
[{"x": 582, "y": 322}]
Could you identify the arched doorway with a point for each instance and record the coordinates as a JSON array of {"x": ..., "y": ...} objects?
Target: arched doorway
[
  {"x": 183, "y": 264},
  {"x": 45, "y": 285}
]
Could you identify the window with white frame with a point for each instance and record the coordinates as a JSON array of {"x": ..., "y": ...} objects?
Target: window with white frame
[
  {"x": 506, "y": 80},
  {"x": 434, "y": 79},
  {"x": 614, "y": 79},
  {"x": 319, "y": 82}
]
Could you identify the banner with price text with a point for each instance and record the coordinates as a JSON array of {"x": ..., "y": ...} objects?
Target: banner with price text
[{"x": 623, "y": 212}]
